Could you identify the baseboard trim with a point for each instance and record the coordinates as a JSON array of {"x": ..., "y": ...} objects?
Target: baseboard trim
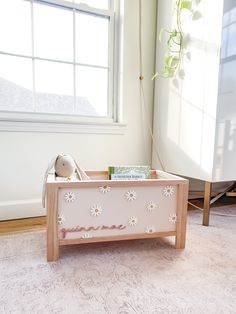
[{"x": 21, "y": 209}]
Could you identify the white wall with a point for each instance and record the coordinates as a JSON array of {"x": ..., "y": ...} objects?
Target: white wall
[
  {"x": 25, "y": 156},
  {"x": 185, "y": 110}
]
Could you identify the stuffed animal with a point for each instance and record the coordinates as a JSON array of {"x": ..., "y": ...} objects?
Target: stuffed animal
[{"x": 63, "y": 166}]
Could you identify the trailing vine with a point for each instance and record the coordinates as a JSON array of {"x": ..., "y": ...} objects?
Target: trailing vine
[{"x": 175, "y": 40}]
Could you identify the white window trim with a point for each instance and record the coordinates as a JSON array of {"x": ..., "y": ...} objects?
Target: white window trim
[
  {"x": 62, "y": 127},
  {"x": 52, "y": 123},
  {"x": 13, "y": 121}
]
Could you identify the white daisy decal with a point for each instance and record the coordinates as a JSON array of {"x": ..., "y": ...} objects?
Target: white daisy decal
[
  {"x": 151, "y": 206},
  {"x": 96, "y": 210},
  {"x": 150, "y": 229},
  {"x": 173, "y": 218},
  {"x": 104, "y": 189},
  {"x": 168, "y": 190},
  {"x": 130, "y": 195},
  {"x": 86, "y": 236},
  {"x": 69, "y": 197},
  {"x": 61, "y": 219},
  {"x": 133, "y": 221}
]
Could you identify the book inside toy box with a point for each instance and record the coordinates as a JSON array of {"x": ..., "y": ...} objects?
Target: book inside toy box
[{"x": 129, "y": 172}]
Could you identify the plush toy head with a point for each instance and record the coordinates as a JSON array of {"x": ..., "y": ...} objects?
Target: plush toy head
[{"x": 64, "y": 166}]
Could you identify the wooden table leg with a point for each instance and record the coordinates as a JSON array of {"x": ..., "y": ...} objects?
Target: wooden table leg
[{"x": 207, "y": 200}]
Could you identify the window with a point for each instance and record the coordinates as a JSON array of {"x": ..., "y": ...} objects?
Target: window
[
  {"x": 56, "y": 60},
  {"x": 228, "y": 52},
  {"x": 228, "y": 48}
]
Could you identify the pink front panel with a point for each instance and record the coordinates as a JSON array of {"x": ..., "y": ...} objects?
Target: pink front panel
[{"x": 110, "y": 211}]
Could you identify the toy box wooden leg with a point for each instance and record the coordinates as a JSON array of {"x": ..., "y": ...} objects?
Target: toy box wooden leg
[
  {"x": 52, "y": 228},
  {"x": 181, "y": 216}
]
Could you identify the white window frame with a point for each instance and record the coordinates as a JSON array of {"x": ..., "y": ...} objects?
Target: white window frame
[{"x": 63, "y": 123}]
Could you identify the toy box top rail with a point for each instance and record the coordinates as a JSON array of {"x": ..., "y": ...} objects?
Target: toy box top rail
[{"x": 157, "y": 177}]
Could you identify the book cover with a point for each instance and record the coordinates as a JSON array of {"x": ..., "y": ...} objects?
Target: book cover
[{"x": 129, "y": 172}]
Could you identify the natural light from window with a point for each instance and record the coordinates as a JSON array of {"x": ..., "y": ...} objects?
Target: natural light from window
[{"x": 56, "y": 59}]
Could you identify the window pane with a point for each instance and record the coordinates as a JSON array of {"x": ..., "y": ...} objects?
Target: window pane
[
  {"x": 101, "y": 4},
  {"x": 224, "y": 40},
  {"x": 91, "y": 91},
  {"x": 15, "y": 84},
  {"x": 15, "y": 27},
  {"x": 53, "y": 29},
  {"x": 54, "y": 87},
  {"x": 233, "y": 15},
  {"x": 231, "y": 44},
  {"x": 225, "y": 19},
  {"x": 92, "y": 44}
]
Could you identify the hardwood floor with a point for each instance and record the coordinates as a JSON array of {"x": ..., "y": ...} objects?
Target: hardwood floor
[{"x": 22, "y": 225}]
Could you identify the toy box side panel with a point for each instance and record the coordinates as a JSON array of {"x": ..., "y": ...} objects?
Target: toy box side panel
[{"x": 111, "y": 211}]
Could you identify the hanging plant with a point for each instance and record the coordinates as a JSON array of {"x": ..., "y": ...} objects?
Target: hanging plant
[{"x": 175, "y": 40}]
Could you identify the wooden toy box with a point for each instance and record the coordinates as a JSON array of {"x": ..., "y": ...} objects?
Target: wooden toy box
[{"x": 104, "y": 210}]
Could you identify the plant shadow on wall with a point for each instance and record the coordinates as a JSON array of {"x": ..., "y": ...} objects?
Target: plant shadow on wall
[{"x": 177, "y": 42}]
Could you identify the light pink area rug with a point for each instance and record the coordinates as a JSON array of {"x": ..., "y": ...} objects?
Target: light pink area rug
[{"x": 142, "y": 276}]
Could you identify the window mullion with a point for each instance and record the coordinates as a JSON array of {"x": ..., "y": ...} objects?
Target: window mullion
[
  {"x": 111, "y": 111},
  {"x": 74, "y": 58},
  {"x": 53, "y": 60},
  {"x": 111, "y": 5},
  {"x": 33, "y": 60},
  {"x": 79, "y": 7}
]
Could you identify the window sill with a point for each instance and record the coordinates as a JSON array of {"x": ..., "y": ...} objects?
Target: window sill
[{"x": 56, "y": 124}]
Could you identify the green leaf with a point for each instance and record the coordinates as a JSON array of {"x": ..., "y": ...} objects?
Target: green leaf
[
  {"x": 174, "y": 61},
  {"x": 173, "y": 34},
  {"x": 171, "y": 73},
  {"x": 155, "y": 75},
  {"x": 165, "y": 74},
  {"x": 168, "y": 59},
  {"x": 196, "y": 15},
  {"x": 171, "y": 61},
  {"x": 160, "y": 33},
  {"x": 186, "y": 5},
  {"x": 168, "y": 72}
]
